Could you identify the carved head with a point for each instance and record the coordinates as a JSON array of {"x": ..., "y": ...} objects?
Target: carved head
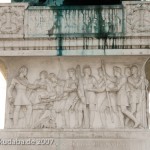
[
  {"x": 71, "y": 72},
  {"x": 134, "y": 69},
  {"x": 100, "y": 72},
  {"x": 53, "y": 77},
  {"x": 43, "y": 74},
  {"x": 23, "y": 71},
  {"x": 127, "y": 71},
  {"x": 117, "y": 71},
  {"x": 87, "y": 70}
]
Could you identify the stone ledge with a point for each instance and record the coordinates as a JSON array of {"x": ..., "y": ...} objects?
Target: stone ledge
[
  {"x": 92, "y": 52},
  {"x": 78, "y": 140},
  {"x": 78, "y": 133}
]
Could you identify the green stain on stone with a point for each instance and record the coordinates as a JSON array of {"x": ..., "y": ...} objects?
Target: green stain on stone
[{"x": 41, "y": 2}]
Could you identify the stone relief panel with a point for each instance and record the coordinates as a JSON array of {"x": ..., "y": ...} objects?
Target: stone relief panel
[
  {"x": 137, "y": 18},
  {"x": 65, "y": 21},
  {"x": 11, "y": 20},
  {"x": 77, "y": 92}
]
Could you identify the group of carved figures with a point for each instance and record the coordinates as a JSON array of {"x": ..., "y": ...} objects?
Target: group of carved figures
[{"x": 124, "y": 94}]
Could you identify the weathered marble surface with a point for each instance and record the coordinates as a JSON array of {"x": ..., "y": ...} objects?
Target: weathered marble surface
[
  {"x": 98, "y": 22},
  {"x": 73, "y": 21},
  {"x": 97, "y": 28},
  {"x": 44, "y": 92}
]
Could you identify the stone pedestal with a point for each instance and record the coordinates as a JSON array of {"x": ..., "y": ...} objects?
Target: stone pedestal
[{"x": 75, "y": 139}]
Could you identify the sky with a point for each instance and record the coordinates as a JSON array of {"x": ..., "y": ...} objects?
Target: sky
[
  {"x": 2, "y": 100},
  {"x": 5, "y": 1}
]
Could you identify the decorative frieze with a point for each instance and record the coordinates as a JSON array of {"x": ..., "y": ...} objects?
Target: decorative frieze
[{"x": 74, "y": 92}]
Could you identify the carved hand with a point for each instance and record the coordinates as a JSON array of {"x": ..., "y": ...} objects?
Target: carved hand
[{"x": 11, "y": 99}]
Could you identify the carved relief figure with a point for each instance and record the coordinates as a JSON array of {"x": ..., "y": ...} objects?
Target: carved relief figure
[
  {"x": 101, "y": 96},
  {"x": 57, "y": 90},
  {"x": 72, "y": 96},
  {"x": 136, "y": 81},
  {"x": 122, "y": 96},
  {"x": 89, "y": 82},
  {"x": 20, "y": 85},
  {"x": 82, "y": 105},
  {"x": 41, "y": 91},
  {"x": 43, "y": 94},
  {"x": 111, "y": 96}
]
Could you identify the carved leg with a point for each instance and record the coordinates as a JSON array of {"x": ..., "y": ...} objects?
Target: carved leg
[
  {"x": 130, "y": 115},
  {"x": 28, "y": 116},
  {"x": 67, "y": 118},
  {"x": 76, "y": 118},
  {"x": 121, "y": 118},
  {"x": 127, "y": 121},
  {"x": 63, "y": 119},
  {"x": 103, "y": 116},
  {"x": 133, "y": 110},
  {"x": 92, "y": 115},
  {"x": 86, "y": 116},
  {"x": 16, "y": 115},
  {"x": 80, "y": 118},
  {"x": 103, "y": 119}
]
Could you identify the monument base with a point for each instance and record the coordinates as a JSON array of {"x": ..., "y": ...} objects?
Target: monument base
[{"x": 85, "y": 139}]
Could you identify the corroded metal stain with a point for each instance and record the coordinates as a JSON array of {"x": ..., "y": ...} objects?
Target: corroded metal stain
[{"x": 74, "y": 21}]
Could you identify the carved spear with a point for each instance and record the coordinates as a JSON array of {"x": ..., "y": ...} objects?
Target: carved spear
[
  {"x": 81, "y": 91},
  {"x": 107, "y": 93}
]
